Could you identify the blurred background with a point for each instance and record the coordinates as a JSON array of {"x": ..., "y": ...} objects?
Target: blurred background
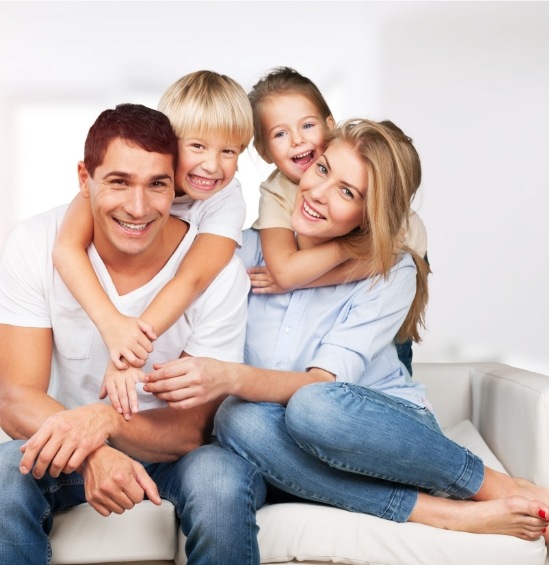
[{"x": 468, "y": 81}]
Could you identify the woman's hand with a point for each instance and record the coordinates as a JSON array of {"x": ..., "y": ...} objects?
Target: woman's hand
[
  {"x": 190, "y": 381},
  {"x": 262, "y": 281}
]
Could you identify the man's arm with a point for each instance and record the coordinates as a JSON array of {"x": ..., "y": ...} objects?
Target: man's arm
[{"x": 25, "y": 363}]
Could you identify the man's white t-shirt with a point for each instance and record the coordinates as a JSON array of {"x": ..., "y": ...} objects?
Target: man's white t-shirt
[{"x": 32, "y": 294}]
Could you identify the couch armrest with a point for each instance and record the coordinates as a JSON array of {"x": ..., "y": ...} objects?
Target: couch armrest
[{"x": 510, "y": 410}]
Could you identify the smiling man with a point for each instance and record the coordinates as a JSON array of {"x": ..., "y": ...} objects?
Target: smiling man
[{"x": 69, "y": 448}]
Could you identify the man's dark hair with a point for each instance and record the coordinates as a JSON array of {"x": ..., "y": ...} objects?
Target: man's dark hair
[{"x": 147, "y": 128}]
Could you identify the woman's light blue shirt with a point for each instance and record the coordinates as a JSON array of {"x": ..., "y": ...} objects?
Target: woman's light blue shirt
[{"x": 346, "y": 329}]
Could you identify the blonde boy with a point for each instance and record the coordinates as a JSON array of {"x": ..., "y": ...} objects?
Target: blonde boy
[{"x": 212, "y": 118}]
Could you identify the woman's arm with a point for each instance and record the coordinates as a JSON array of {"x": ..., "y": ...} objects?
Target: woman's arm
[
  {"x": 193, "y": 381},
  {"x": 206, "y": 258},
  {"x": 124, "y": 336}
]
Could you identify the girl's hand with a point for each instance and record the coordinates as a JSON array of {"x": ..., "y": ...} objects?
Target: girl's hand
[
  {"x": 119, "y": 385},
  {"x": 263, "y": 282},
  {"x": 128, "y": 339}
]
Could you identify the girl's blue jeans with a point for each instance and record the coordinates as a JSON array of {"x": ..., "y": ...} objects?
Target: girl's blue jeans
[
  {"x": 215, "y": 494},
  {"x": 350, "y": 447}
]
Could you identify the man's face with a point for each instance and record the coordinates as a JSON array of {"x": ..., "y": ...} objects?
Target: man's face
[{"x": 130, "y": 194}]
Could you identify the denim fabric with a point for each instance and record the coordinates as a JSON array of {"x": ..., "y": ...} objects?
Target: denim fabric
[
  {"x": 350, "y": 447},
  {"x": 215, "y": 492},
  {"x": 405, "y": 354}
]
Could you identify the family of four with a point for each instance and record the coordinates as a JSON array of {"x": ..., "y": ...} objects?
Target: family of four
[{"x": 151, "y": 349}]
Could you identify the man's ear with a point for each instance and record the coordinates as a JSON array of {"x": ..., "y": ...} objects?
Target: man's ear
[
  {"x": 83, "y": 179},
  {"x": 330, "y": 122}
]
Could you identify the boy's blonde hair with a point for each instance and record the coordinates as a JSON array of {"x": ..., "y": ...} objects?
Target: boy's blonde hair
[
  {"x": 394, "y": 175},
  {"x": 205, "y": 102},
  {"x": 282, "y": 80}
]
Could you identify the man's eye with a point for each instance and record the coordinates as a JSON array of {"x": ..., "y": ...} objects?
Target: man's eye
[{"x": 158, "y": 184}]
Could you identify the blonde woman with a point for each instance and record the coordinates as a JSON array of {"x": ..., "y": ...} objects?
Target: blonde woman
[{"x": 324, "y": 410}]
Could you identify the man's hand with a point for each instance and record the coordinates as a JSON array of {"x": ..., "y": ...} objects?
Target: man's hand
[
  {"x": 190, "y": 381},
  {"x": 66, "y": 438},
  {"x": 115, "y": 482}
]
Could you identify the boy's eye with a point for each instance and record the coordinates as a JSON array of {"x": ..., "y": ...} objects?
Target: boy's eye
[
  {"x": 197, "y": 146},
  {"x": 229, "y": 151}
]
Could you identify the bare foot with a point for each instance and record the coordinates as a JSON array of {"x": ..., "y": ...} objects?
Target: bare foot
[{"x": 513, "y": 516}]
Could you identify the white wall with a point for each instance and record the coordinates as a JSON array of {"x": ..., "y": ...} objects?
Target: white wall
[{"x": 469, "y": 81}]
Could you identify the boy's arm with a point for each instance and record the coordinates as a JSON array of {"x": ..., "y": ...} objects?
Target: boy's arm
[
  {"x": 207, "y": 256},
  {"x": 124, "y": 336}
]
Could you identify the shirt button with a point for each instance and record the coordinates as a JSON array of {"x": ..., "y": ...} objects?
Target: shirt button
[
  {"x": 288, "y": 329},
  {"x": 278, "y": 364}
]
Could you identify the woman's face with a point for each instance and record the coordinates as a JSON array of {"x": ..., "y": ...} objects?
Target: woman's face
[{"x": 330, "y": 201}]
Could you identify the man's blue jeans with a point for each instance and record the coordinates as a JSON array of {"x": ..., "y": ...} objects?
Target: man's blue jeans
[
  {"x": 350, "y": 447},
  {"x": 215, "y": 493}
]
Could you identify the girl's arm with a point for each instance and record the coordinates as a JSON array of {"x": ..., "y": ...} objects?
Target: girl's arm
[
  {"x": 124, "y": 336},
  {"x": 207, "y": 256},
  {"x": 289, "y": 268}
]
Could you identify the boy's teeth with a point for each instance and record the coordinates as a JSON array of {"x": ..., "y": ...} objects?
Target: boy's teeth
[{"x": 202, "y": 181}]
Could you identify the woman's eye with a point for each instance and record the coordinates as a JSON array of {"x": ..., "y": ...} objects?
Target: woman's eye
[
  {"x": 321, "y": 169},
  {"x": 346, "y": 192}
]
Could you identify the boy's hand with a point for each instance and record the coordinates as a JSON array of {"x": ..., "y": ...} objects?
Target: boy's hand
[
  {"x": 119, "y": 385},
  {"x": 128, "y": 339},
  {"x": 262, "y": 282}
]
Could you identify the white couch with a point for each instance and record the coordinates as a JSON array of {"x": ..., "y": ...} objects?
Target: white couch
[{"x": 497, "y": 411}]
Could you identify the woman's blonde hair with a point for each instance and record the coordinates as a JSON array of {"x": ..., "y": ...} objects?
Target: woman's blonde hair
[
  {"x": 394, "y": 175},
  {"x": 205, "y": 102}
]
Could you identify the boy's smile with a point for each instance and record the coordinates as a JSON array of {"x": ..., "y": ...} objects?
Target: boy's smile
[{"x": 207, "y": 164}]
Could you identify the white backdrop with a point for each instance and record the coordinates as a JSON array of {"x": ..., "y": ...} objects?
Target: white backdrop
[{"x": 469, "y": 81}]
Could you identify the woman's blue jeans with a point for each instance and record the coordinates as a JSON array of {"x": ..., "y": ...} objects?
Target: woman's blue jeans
[
  {"x": 215, "y": 492},
  {"x": 350, "y": 447}
]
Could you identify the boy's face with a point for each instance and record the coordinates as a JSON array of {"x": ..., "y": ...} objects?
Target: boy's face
[
  {"x": 294, "y": 133},
  {"x": 207, "y": 163}
]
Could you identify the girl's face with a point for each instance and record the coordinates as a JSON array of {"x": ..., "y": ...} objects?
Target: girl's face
[
  {"x": 294, "y": 133},
  {"x": 331, "y": 197}
]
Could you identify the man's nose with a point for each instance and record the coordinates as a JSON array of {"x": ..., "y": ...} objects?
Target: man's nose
[{"x": 137, "y": 202}]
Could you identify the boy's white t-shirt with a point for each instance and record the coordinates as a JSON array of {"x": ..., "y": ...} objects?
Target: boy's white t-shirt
[
  {"x": 32, "y": 294},
  {"x": 222, "y": 214}
]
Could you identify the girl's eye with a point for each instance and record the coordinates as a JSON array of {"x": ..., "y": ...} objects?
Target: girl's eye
[
  {"x": 279, "y": 134},
  {"x": 308, "y": 126}
]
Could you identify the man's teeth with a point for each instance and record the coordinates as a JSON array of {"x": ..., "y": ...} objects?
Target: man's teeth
[
  {"x": 135, "y": 227},
  {"x": 310, "y": 211}
]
